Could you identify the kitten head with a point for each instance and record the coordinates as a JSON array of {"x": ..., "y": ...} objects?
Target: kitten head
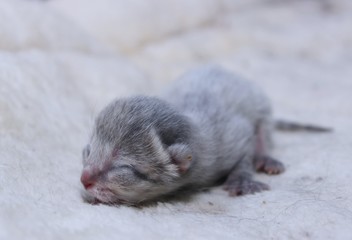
[{"x": 138, "y": 151}]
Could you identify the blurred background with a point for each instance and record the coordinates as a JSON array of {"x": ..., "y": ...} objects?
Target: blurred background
[
  {"x": 61, "y": 61},
  {"x": 270, "y": 41}
]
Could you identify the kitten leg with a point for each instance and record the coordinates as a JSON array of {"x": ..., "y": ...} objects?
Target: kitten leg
[
  {"x": 240, "y": 180},
  {"x": 262, "y": 162}
]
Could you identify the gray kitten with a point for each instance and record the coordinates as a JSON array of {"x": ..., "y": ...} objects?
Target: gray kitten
[{"x": 208, "y": 125}]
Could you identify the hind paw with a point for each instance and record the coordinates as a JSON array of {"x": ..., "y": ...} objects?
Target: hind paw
[{"x": 268, "y": 165}]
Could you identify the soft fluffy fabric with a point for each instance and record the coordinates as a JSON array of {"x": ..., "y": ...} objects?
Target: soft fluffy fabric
[{"x": 61, "y": 61}]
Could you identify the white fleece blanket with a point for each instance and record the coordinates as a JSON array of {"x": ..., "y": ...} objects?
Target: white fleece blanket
[{"x": 61, "y": 61}]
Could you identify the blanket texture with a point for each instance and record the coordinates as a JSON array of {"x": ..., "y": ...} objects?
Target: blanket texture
[{"x": 61, "y": 61}]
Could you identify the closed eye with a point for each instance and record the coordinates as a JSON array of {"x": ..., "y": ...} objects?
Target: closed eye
[
  {"x": 86, "y": 151},
  {"x": 137, "y": 173}
]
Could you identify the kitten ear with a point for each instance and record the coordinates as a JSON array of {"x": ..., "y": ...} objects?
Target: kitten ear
[{"x": 181, "y": 155}]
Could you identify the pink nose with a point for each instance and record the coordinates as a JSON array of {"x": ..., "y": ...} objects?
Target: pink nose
[{"x": 87, "y": 179}]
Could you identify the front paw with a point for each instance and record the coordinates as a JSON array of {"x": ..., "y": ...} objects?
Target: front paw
[{"x": 243, "y": 187}]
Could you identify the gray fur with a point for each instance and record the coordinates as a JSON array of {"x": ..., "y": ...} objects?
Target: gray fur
[{"x": 200, "y": 130}]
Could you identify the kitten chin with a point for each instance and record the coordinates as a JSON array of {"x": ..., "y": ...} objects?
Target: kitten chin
[{"x": 88, "y": 198}]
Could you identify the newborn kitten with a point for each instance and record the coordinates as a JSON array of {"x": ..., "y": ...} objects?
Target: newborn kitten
[{"x": 208, "y": 125}]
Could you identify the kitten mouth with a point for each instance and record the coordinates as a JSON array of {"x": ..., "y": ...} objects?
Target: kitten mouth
[
  {"x": 99, "y": 195},
  {"x": 107, "y": 200},
  {"x": 110, "y": 200},
  {"x": 105, "y": 195}
]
